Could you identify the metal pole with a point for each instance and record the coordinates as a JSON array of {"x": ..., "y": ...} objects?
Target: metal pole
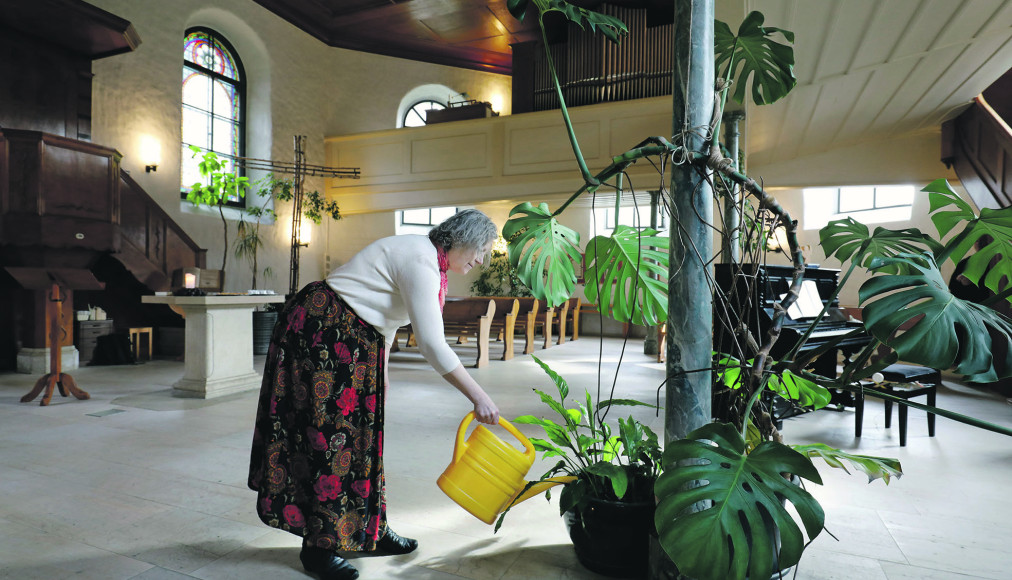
[
  {"x": 690, "y": 316},
  {"x": 730, "y": 251},
  {"x": 650, "y": 342},
  {"x": 300, "y": 161}
]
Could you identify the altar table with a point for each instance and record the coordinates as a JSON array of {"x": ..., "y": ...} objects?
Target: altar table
[{"x": 219, "y": 342}]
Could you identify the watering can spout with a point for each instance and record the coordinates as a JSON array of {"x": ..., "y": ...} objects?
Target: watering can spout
[{"x": 543, "y": 485}]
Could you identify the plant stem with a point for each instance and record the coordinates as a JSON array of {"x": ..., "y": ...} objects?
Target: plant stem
[{"x": 562, "y": 105}]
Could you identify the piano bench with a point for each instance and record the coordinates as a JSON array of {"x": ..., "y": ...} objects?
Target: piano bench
[{"x": 906, "y": 382}]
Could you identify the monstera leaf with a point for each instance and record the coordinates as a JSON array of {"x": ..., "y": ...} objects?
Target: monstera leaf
[
  {"x": 849, "y": 239},
  {"x": 734, "y": 537},
  {"x": 754, "y": 53},
  {"x": 543, "y": 252},
  {"x": 609, "y": 26},
  {"x": 874, "y": 467},
  {"x": 622, "y": 275},
  {"x": 996, "y": 224},
  {"x": 947, "y": 333}
]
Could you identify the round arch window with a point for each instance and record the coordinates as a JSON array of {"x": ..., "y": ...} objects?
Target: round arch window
[{"x": 415, "y": 115}]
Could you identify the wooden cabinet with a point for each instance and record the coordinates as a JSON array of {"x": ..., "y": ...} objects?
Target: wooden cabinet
[{"x": 87, "y": 333}]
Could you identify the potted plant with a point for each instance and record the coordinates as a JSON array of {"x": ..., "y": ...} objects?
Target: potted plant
[
  {"x": 498, "y": 278},
  {"x": 248, "y": 241},
  {"x": 219, "y": 187},
  {"x": 720, "y": 510},
  {"x": 609, "y": 507}
]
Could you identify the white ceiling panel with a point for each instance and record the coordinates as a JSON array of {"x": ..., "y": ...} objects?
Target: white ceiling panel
[{"x": 868, "y": 69}]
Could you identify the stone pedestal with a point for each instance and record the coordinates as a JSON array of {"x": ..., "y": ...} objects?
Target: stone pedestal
[
  {"x": 219, "y": 343},
  {"x": 35, "y": 361}
]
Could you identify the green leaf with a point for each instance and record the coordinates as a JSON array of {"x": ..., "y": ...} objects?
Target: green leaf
[
  {"x": 518, "y": 8},
  {"x": 796, "y": 388},
  {"x": 543, "y": 252},
  {"x": 733, "y": 537},
  {"x": 875, "y": 467},
  {"x": 754, "y": 53},
  {"x": 560, "y": 383},
  {"x": 992, "y": 229},
  {"x": 615, "y": 474},
  {"x": 848, "y": 239},
  {"x": 946, "y": 332},
  {"x": 627, "y": 275},
  {"x": 623, "y": 403},
  {"x": 610, "y": 26}
]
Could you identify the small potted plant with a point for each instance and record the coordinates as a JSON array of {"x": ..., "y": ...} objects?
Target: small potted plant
[{"x": 609, "y": 507}]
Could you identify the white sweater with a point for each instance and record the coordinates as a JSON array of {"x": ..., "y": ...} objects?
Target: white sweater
[{"x": 392, "y": 282}]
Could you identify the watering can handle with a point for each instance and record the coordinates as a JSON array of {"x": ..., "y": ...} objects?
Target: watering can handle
[{"x": 458, "y": 448}]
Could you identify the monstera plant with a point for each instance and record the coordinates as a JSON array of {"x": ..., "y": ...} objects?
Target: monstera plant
[{"x": 721, "y": 498}]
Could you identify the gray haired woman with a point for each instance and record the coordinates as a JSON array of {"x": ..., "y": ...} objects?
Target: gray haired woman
[{"x": 317, "y": 457}]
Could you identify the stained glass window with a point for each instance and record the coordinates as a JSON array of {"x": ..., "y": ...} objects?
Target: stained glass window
[{"x": 213, "y": 102}]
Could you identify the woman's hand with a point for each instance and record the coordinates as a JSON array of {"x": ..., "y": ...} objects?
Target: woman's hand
[{"x": 485, "y": 411}]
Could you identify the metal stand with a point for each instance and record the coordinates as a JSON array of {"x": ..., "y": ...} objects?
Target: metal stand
[{"x": 299, "y": 169}]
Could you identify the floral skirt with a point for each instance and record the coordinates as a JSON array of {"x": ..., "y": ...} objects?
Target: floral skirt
[{"x": 317, "y": 457}]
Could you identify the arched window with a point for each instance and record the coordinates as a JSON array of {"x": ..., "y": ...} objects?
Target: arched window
[
  {"x": 214, "y": 108},
  {"x": 415, "y": 115}
]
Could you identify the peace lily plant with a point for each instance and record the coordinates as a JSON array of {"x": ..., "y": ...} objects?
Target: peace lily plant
[{"x": 721, "y": 497}]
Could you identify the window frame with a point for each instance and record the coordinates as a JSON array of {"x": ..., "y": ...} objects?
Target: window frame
[
  {"x": 411, "y": 110},
  {"x": 239, "y": 85}
]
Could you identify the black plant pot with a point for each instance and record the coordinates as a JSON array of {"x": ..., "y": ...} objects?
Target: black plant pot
[
  {"x": 263, "y": 325},
  {"x": 611, "y": 537}
]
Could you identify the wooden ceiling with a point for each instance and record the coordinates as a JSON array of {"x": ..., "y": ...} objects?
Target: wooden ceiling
[{"x": 472, "y": 34}]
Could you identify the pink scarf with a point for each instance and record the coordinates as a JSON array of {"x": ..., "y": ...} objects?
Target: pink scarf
[{"x": 444, "y": 265}]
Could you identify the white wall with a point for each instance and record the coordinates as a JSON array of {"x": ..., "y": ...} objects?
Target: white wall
[{"x": 296, "y": 86}]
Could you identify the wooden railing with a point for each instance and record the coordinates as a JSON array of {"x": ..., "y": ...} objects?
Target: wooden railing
[{"x": 978, "y": 144}]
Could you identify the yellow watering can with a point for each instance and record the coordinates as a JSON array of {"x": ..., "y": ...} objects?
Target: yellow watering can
[{"x": 487, "y": 474}]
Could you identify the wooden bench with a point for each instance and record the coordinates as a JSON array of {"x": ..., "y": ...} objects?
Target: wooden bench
[
  {"x": 568, "y": 316},
  {"x": 526, "y": 321},
  {"x": 464, "y": 317},
  {"x": 504, "y": 322}
]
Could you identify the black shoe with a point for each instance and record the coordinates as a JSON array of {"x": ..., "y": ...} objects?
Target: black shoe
[
  {"x": 326, "y": 564},
  {"x": 391, "y": 543}
]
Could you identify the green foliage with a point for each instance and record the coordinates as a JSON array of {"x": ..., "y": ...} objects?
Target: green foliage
[
  {"x": 947, "y": 332},
  {"x": 785, "y": 383},
  {"x": 610, "y": 466},
  {"x": 543, "y": 253},
  {"x": 218, "y": 187},
  {"x": 849, "y": 240},
  {"x": 731, "y": 535},
  {"x": 498, "y": 278},
  {"x": 627, "y": 275},
  {"x": 609, "y": 26},
  {"x": 991, "y": 230},
  {"x": 754, "y": 53},
  {"x": 248, "y": 242},
  {"x": 270, "y": 188},
  {"x": 882, "y": 468}
]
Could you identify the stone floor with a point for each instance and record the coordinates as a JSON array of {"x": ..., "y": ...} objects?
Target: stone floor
[{"x": 137, "y": 483}]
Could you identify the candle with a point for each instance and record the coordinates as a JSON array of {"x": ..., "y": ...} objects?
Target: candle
[{"x": 189, "y": 280}]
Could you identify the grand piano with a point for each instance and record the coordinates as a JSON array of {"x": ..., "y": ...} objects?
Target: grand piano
[{"x": 750, "y": 292}]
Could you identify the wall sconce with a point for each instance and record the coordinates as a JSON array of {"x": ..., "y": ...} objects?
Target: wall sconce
[
  {"x": 496, "y": 102},
  {"x": 150, "y": 153},
  {"x": 305, "y": 233}
]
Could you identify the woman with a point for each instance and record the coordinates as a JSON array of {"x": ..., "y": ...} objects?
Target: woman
[{"x": 317, "y": 459}]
